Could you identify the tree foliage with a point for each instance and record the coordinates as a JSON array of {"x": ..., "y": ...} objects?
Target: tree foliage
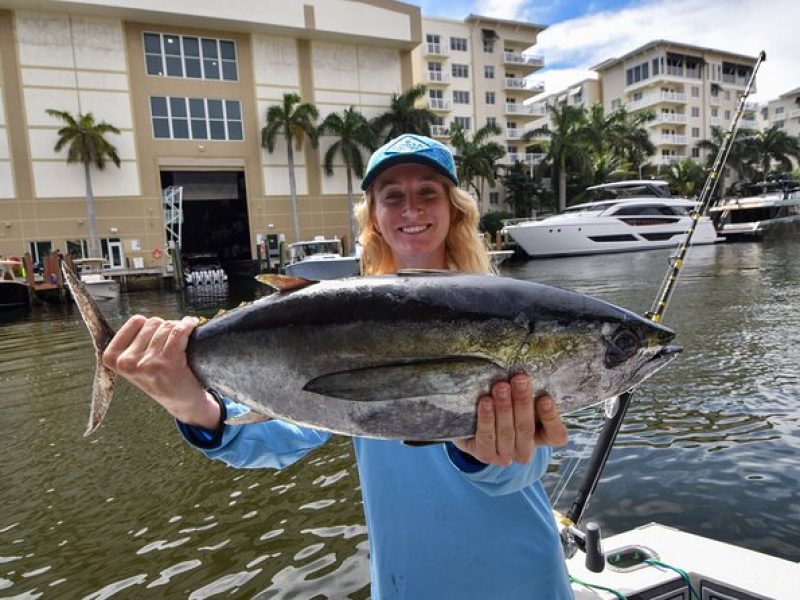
[
  {"x": 405, "y": 116},
  {"x": 86, "y": 144}
]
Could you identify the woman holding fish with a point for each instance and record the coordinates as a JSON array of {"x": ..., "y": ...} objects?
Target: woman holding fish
[{"x": 462, "y": 519}]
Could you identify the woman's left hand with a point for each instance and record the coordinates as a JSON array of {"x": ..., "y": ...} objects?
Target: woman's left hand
[{"x": 511, "y": 424}]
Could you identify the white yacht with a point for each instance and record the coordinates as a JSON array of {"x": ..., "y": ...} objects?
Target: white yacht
[
  {"x": 99, "y": 285},
  {"x": 320, "y": 258},
  {"x": 772, "y": 209},
  {"x": 625, "y": 216}
]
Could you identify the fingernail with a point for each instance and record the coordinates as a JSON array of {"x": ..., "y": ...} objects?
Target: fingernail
[
  {"x": 546, "y": 404},
  {"x": 520, "y": 383},
  {"x": 502, "y": 391},
  {"x": 486, "y": 404}
]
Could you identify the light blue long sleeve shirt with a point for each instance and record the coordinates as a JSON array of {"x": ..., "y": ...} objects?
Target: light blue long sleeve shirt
[{"x": 440, "y": 526}]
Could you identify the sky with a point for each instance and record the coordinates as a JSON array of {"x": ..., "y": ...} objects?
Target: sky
[{"x": 583, "y": 33}]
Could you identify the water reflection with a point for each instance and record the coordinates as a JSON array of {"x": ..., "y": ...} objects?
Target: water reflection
[{"x": 711, "y": 445}]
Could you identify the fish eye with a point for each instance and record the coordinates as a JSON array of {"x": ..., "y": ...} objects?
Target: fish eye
[{"x": 622, "y": 345}]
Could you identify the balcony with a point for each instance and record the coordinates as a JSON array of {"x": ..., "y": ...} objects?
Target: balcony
[
  {"x": 667, "y": 160},
  {"x": 440, "y": 131},
  {"x": 523, "y": 60},
  {"x": 439, "y": 104},
  {"x": 671, "y": 139},
  {"x": 734, "y": 80},
  {"x": 526, "y": 110},
  {"x": 671, "y": 118},
  {"x": 435, "y": 77},
  {"x": 750, "y": 123},
  {"x": 526, "y": 158},
  {"x": 523, "y": 85},
  {"x": 715, "y": 121},
  {"x": 794, "y": 113},
  {"x": 436, "y": 50},
  {"x": 657, "y": 98}
]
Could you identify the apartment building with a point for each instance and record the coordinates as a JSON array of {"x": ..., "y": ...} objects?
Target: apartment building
[
  {"x": 188, "y": 85},
  {"x": 477, "y": 72},
  {"x": 690, "y": 88},
  {"x": 784, "y": 112},
  {"x": 584, "y": 93}
]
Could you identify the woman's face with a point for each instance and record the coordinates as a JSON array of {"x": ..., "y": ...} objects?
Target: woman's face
[{"x": 412, "y": 213}]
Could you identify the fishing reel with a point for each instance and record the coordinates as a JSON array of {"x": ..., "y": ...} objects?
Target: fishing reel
[{"x": 573, "y": 539}]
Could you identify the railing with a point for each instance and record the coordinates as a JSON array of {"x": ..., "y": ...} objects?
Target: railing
[
  {"x": 438, "y": 104},
  {"x": 749, "y": 123},
  {"x": 437, "y": 77},
  {"x": 716, "y": 121},
  {"x": 527, "y": 158},
  {"x": 656, "y": 98},
  {"x": 436, "y": 50},
  {"x": 527, "y": 60},
  {"x": 737, "y": 81},
  {"x": 514, "y": 108},
  {"x": 668, "y": 118},
  {"x": 668, "y": 138},
  {"x": 794, "y": 114},
  {"x": 667, "y": 160},
  {"x": 439, "y": 131}
]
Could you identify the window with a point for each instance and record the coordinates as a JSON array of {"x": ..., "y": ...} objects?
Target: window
[
  {"x": 460, "y": 97},
  {"x": 488, "y": 45},
  {"x": 181, "y": 118},
  {"x": 491, "y": 121},
  {"x": 488, "y": 72},
  {"x": 636, "y": 74},
  {"x": 459, "y": 44},
  {"x": 489, "y": 97},
  {"x": 727, "y": 115},
  {"x": 727, "y": 94},
  {"x": 190, "y": 57},
  {"x": 494, "y": 197},
  {"x": 695, "y": 132},
  {"x": 695, "y": 152},
  {"x": 695, "y": 111},
  {"x": 463, "y": 122},
  {"x": 695, "y": 91},
  {"x": 432, "y": 38},
  {"x": 779, "y": 110},
  {"x": 655, "y": 66},
  {"x": 714, "y": 111},
  {"x": 616, "y": 103},
  {"x": 714, "y": 91},
  {"x": 460, "y": 70}
]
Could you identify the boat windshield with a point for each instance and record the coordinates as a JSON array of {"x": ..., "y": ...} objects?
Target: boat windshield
[
  {"x": 589, "y": 207},
  {"x": 306, "y": 249}
]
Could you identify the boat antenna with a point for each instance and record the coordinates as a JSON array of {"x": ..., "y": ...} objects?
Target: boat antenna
[{"x": 572, "y": 538}]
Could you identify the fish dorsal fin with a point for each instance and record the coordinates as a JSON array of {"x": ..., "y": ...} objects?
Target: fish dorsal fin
[{"x": 284, "y": 283}]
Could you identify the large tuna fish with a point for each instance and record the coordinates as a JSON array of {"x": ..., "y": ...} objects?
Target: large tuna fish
[{"x": 407, "y": 356}]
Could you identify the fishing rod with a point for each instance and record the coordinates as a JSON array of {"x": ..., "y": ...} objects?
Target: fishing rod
[{"x": 572, "y": 538}]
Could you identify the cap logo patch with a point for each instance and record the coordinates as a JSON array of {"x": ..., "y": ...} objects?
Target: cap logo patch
[{"x": 407, "y": 144}]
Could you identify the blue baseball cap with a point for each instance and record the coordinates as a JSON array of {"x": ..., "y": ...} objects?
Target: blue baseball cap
[{"x": 410, "y": 148}]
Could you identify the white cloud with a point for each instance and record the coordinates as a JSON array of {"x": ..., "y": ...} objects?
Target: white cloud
[{"x": 740, "y": 26}]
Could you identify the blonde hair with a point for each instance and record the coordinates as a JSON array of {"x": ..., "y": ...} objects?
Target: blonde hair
[{"x": 465, "y": 248}]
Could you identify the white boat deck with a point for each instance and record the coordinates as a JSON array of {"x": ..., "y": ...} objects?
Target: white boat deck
[{"x": 717, "y": 570}]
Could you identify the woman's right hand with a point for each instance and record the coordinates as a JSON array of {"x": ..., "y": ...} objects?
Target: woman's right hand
[{"x": 151, "y": 354}]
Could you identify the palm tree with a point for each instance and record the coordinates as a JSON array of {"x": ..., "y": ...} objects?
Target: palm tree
[
  {"x": 773, "y": 144},
  {"x": 404, "y": 116},
  {"x": 476, "y": 158},
  {"x": 355, "y": 135},
  {"x": 740, "y": 155},
  {"x": 628, "y": 137},
  {"x": 686, "y": 178},
  {"x": 568, "y": 146},
  {"x": 296, "y": 120},
  {"x": 87, "y": 145}
]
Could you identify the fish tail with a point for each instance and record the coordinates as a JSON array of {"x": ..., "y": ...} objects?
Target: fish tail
[{"x": 101, "y": 332}]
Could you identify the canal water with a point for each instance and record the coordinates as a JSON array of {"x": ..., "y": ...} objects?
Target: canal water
[{"x": 711, "y": 445}]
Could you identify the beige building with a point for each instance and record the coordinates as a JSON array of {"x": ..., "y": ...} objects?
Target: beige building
[
  {"x": 784, "y": 111},
  {"x": 690, "y": 89},
  {"x": 584, "y": 93},
  {"x": 188, "y": 84},
  {"x": 477, "y": 72}
]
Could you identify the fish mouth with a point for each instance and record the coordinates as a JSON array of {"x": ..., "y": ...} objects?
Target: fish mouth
[{"x": 656, "y": 362}]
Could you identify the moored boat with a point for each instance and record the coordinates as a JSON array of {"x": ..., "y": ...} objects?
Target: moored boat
[
  {"x": 771, "y": 208},
  {"x": 625, "y": 216},
  {"x": 15, "y": 293},
  {"x": 100, "y": 286},
  {"x": 321, "y": 258}
]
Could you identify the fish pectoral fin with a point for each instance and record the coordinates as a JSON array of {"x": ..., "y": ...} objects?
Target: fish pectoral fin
[
  {"x": 283, "y": 283},
  {"x": 413, "y": 379},
  {"x": 249, "y": 418}
]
